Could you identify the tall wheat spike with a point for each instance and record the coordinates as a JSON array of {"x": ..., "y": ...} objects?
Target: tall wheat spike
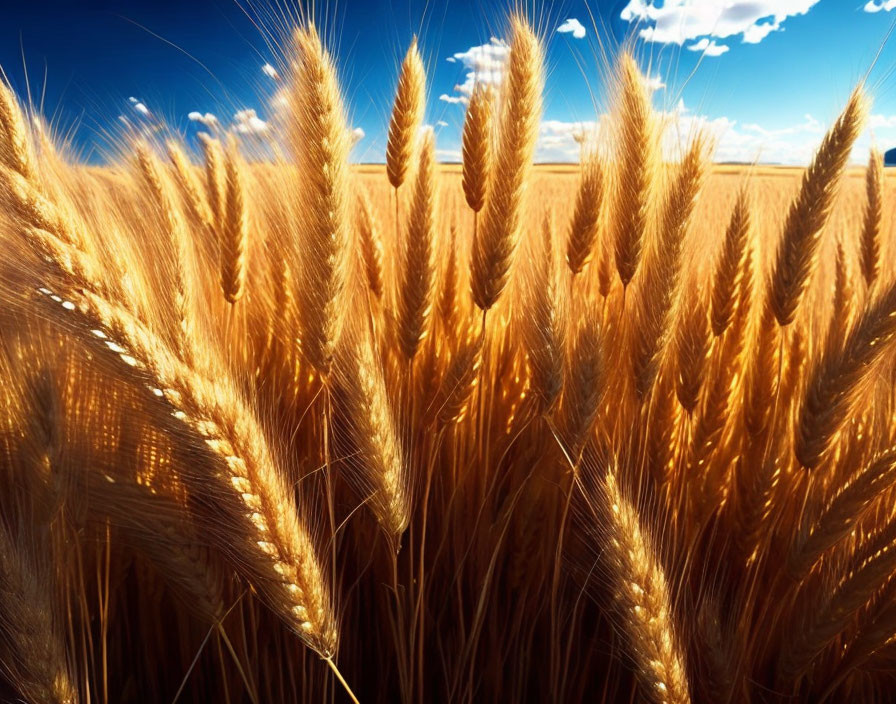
[
  {"x": 415, "y": 293},
  {"x": 796, "y": 253},
  {"x": 874, "y": 185},
  {"x": 544, "y": 332},
  {"x": 317, "y": 136},
  {"x": 636, "y": 159},
  {"x": 407, "y": 115},
  {"x": 496, "y": 241},
  {"x": 730, "y": 265},
  {"x": 476, "y": 146},
  {"x": 214, "y": 176},
  {"x": 661, "y": 271},
  {"x": 586, "y": 216},
  {"x": 234, "y": 229},
  {"x": 371, "y": 245},
  {"x": 16, "y": 151}
]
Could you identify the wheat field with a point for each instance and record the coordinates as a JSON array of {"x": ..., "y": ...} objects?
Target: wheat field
[{"x": 296, "y": 430}]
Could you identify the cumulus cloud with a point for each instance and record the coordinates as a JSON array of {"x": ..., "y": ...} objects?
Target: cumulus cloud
[
  {"x": 574, "y": 27},
  {"x": 878, "y": 122},
  {"x": 484, "y": 63},
  {"x": 678, "y": 21},
  {"x": 560, "y": 141},
  {"x": 448, "y": 155},
  {"x": 138, "y": 106},
  {"x": 708, "y": 47},
  {"x": 247, "y": 122},
  {"x": 441, "y": 123},
  {"x": 793, "y": 144},
  {"x": 878, "y": 5},
  {"x": 270, "y": 71},
  {"x": 654, "y": 83},
  {"x": 357, "y": 135},
  {"x": 206, "y": 119}
]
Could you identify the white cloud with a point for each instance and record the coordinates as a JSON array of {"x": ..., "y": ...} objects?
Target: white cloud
[
  {"x": 206, "y": 119},
  {"x": 484, "y": 64},
  {"x": 448, "y": 155},
  {"x": 441, "y": 123},
  {"x": 709, "y": 48},
  {"x": 357, "y": 135},
  {"x": 678, "y": 21},
  {"x": 574, "y": 27},
  {"x": 139, "y": 106},
  {"x": 878, "y": 5},
  {"x": 654, "y": 83},
  {"x": 247, "y": 122},
  {"x": 793, "y": 144},
  {"x": 270, "y": 71},
  {"x": 882, "y": 122}
]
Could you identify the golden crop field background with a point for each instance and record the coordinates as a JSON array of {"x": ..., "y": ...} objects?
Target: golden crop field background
[{"x": 297, "y": 430}]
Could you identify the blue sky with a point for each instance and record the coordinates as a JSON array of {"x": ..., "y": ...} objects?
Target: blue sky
[{"x": 765, "y": 76}]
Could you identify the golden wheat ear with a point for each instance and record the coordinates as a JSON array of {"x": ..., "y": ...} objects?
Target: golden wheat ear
[
  {"x": 476, "y": 146},
  {"x": 870, "y": 243},
  {"x": 584, "y": 385},
  {"x": 250, "y": 513},
  {"x": 543, "y": 325},
  {"x": 583, "y": 228},
  {"x": 189, "y": 186},
  {"x": 318, "y": 137},
  {"x": 371, "y": 246},
  {"x": 841, "y": 375},
  {"x": 407, "y": 116},
  {"x": 16, "y": 150},
  {"x": 161, "y": 194},
  {"x": 730, "y": 266},
  {"x": 362, "y": 394},
  {"x": 495, "y": 242},
  {"x": 841, "y": 514},
  {"x": 213, "y": 153},
  {"x": 798, "y": 247},
  {"x": 415, "y": 293},
  {"x": 33, "y": 657},
  {"x": 691, "y": 350},
  {"x": 661, "y": 272},
  {"x": 635, "y": 164},
  {"x": 234, "y": 228},
  {"x": 642, "y": 596}
]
